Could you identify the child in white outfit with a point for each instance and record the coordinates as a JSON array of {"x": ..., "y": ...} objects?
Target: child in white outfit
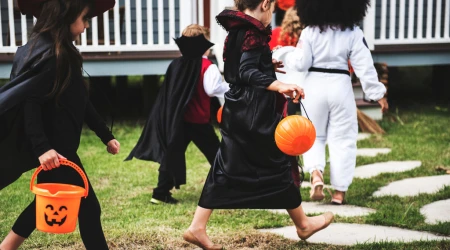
[{"x": 329, "y": 40}]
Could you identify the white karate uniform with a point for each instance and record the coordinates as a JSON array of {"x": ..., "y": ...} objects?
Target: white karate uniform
[{"x": 329, "y": 99}]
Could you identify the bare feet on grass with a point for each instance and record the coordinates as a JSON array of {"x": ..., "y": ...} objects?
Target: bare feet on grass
[
  {"x": 199, "y": 238},
  {"x": 315, "y": 224}
]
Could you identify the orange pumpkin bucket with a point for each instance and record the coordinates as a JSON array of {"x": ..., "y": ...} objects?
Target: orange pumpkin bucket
[
  {"x": 57, "y": 204},
  {"x": 295, "y": 135}
]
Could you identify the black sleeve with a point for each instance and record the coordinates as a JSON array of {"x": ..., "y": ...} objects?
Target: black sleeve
[
  {"x": 96, "y": 124},
  {"x": 34, "y": 126},
  {"x": 249, "y": 71}
]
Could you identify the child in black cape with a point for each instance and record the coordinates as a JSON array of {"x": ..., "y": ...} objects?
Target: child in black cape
[
  {"x": 249, "y": 171},
  {"x": 43, "y": 108},
  {"x": 181, "y": 113}
]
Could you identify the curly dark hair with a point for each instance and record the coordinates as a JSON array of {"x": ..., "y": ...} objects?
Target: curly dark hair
[
  {"x": 338, "y": 14},
  {"x": 241, "y": 5}
]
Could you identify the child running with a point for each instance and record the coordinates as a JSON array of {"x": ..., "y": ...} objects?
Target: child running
[
  {"x": 181, "y": 113},
  {"x": 329, "y": 41},
  {"x": 249, "y": 170}
]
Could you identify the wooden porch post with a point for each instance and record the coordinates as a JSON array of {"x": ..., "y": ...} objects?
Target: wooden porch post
[{"x": 207, "y": 15}]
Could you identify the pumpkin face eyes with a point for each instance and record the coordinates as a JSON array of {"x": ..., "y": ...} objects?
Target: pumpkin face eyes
[{"x": 55, "y": 216}]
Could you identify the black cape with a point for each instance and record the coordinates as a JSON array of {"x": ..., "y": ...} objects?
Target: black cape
[
  {"x": 166, "y": 117},
  {"x": 249, "y": 170},
  {"x": 29, "y": 70}
]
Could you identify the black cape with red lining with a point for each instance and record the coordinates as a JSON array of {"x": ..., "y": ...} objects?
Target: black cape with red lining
[
  {"x": 249, "y": 170},
  {"x": 160, "y": 133}
]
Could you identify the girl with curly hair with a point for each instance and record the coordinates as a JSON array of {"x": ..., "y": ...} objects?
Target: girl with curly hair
[
  {"x": 330, "y": 39},
  {"x": 289, "y": 31},
  {"x": 249, "y": 171}
]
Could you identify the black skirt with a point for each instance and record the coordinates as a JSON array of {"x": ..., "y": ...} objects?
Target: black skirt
[{"x": 249, "y": 170}]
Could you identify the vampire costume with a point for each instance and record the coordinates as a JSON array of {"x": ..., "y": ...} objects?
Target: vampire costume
[
  {"x": 249, "y": 170},
  {"x": 181, "y": 114}
]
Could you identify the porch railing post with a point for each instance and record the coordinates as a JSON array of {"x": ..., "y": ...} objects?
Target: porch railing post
[
  {"x": 187, "y": 15},
  {"x": 369, "y": 25}
]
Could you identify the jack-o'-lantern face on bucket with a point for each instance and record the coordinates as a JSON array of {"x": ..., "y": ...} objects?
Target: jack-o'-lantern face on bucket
[{"x": 55, "y": 216}]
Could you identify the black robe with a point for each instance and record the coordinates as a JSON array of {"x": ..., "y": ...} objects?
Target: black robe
[
  {"x": 249, "y": 170},
  {"x": 161, "y": 131},
  {"x": 50, "y": 126}
]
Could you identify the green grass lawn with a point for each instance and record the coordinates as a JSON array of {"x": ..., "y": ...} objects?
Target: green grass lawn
[{"x": 131, "y": 222}]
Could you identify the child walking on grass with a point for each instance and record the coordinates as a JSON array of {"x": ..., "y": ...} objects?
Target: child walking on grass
[
  {"x": 181, "y": 113},
  {"x": 249, "y": 170},
  {"x": 44, "y": 107},
  {"x": 330, "y": 40}
]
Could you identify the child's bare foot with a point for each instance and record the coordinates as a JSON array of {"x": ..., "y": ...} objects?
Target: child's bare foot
[
  {"x": 199, "y": 238},
  {"x": 316, "y": 224}
]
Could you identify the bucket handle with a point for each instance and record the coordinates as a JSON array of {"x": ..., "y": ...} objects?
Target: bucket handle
[{"x": 65, "y": 163}]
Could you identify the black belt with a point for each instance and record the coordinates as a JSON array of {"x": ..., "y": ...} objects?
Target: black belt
[{"x": 335, "y": 71}]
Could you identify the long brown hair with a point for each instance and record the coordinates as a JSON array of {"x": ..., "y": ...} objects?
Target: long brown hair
[
  {"x": 290, "y": 27},
  {"x": 54, "y": 21}
]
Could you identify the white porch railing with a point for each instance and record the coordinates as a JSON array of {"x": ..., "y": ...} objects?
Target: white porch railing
[
  {"x": 120, "y": 31},
  {"x": 126, "y": 26},
  {"x": 412, "y": 24}
]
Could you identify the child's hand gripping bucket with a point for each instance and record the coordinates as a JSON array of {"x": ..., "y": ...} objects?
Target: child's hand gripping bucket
[{"x": 57, "y": 204}]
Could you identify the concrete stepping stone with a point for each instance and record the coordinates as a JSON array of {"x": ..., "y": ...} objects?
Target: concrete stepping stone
[
  {"x": 372, "y": 151},
  {"x": 436, "y": 212},
  {"x": 371, "y": 170},
  {"x": 363, "y": 136},
  {"x": 414, "y": 186},
  {"x": 352, "y": 234},
  {"x": 342, "y": 210}
]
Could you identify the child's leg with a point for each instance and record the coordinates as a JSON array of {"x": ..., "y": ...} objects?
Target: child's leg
[
  {"x": 342, "y": 134},
  {"x": 89, "y": 222},
  {"x": 307, "y": 226},
  {"x": 198, "y": 228},
  {"x": 22, "y": 228},
  {"x": 317, "y": 108},
  {"x": 205, "y": 138},
  {"x": 174, "y": 156},
  {"x": 12, "y": 241}
]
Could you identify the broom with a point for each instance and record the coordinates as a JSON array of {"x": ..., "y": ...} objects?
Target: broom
[{"x": 367, "y": 124}]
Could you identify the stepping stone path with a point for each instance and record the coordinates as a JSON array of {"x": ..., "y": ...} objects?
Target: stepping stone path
[
  {"x": 371, "y": 170},
  {"x": 351, "y": 234},
  {"x": 318, "y": 208},
  {"x": 372, "y": 151},
  {"x": 436, "y": 212},
  {"x": 414, "y": 186},
  {"x": 363, "y": 136}
]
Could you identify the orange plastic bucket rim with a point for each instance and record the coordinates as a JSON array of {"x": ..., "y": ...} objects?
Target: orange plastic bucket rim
[{"x": 57, "y": 204}]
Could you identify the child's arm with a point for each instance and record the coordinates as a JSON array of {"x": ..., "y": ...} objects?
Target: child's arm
[
  {"x": 301, "y": 58},
  {"x": 249, "y": 69},
  {"x": 96, "y": 124},
  {"x": 362, "y": 63},
  {"x": 34, "y": 129},
  {"x": 213, "y": 83},
  {"x": 249, "y": 72}
]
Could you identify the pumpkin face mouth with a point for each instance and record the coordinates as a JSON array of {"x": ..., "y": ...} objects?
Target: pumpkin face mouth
[{"x": 55, "y": 217}]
